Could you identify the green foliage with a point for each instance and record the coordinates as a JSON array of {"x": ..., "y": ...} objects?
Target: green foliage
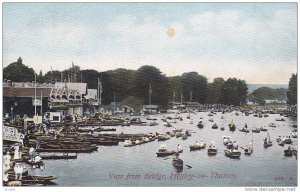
[
  {"x": 132, "y": 86},
  {"x": 18, "y": 72},
  {"x": 147, "y": 75},
  {"x": 266, "y": 93},
  {"x": 215, "y": 91},
  {"x": 194, "y": 87},
  {"x": 135, "y": 102},
  {"x": 292, "y": 92},
  {"x": 235, "y": 92}
]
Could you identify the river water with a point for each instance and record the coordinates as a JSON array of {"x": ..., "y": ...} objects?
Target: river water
[{"x": 139, "y": 166}]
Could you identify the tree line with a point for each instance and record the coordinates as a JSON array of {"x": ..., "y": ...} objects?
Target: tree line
[{"x": 132, "y": 86}]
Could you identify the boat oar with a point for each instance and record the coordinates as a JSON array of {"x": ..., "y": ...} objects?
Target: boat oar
[
  {"x": 241, "y": 147},
  {"x": 188, "y": 166}
]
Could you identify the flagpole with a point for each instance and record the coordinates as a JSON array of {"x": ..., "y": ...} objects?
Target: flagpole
[{"x": 35, "y": 97}]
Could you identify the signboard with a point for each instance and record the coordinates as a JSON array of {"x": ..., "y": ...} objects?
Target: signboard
[{"x": 37, "y": 102}]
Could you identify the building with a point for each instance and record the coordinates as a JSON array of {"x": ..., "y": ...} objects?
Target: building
[{"x": 150, "y": 109}]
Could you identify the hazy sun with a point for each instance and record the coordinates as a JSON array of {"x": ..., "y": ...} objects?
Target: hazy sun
[{"x": 171, "y": 32}]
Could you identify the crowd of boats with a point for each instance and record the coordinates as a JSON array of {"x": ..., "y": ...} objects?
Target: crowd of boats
[{"x": 50, "y": 141}]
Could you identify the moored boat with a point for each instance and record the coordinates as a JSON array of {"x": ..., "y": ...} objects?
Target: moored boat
[
  {"x": 232, "y": 153},
  {"x": 214, "y": 126},
  {"x": 59, "y": 156},
  {"x": 232, "y": 126},
  {"x": 200, "y": 124},
  {"x": 177, "y": 163}
]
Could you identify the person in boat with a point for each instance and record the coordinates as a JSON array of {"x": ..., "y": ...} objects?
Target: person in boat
[
  {"x": 17, "y": 153},
  {"x": 26, "y": 141},
  {"x": 179, "y": 148},
  {"x": 265, "y": 140},
  {"x": 176, "y": 156},
  {"x": 234, "y": 145},
  {"x": 6, "y": 157},
  {"x": 246, "y": 126},
  {"x": 31, "y": 153},
  {"x": 5, "y": 177},
  {"x": 18, "y": 171},
  {"x": 289, "y": 148},
  {"x": 197, "y": 144}
]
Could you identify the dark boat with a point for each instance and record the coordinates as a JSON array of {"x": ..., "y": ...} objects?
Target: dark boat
[
  {"x": 33, "y": 180},
  {"x": 214, "y": 126},
  {"x": 200, "y": 124},
  {"x": 267, "y": 143},
  {"x": 232, "y": 154},
  {"x": 59, "y": 156},
  {"x": 244, "y": 129},
  {"x": 256, "y": 130},
  {"x": 71, "y": 150},
  {"x": 232, "y": 126},
  {"x": 165, "y": 152},
  {"x": 177, "y": 163},
  {"x": 290, "y": 152}
]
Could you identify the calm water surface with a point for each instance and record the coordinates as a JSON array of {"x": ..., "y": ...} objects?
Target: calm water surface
[{"x": 265, "y": 167}]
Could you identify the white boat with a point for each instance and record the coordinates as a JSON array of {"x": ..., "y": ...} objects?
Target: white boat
[{"x": 226, "y": 139}]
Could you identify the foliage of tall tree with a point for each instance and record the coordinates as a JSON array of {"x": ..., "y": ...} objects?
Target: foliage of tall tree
[
  {"x": 122, "y": 82},
  {"x": 215, "y": 91},
  {"x": 175, "y": 89},
  {"x": 292, "y": 92},
  {"x": 18, "y": 72},
  {"x": 149, "y": 75},
  {"x": 194, "y": 87},
  {"x": 235, "y": 92}
]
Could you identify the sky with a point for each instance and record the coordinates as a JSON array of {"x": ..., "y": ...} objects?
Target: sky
[{"x": 256, "y": 42}]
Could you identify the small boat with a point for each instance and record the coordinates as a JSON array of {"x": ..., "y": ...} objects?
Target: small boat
[
  {"x": 232, "y": 154},
  {"x": 279, "y": 119},
  {"x": 237, "y": 114},
  {"x": 188, "y": 133},
  {"x": 167, "y": 124},
  {"x": 222, "y": 128},
  {"x": 290, "y": 152},
  {"x": 272, "y": 125},
  {"x": 31, "y": 180},
  {"x": 280, "y": 141},
  {"x": 178, "y": 134},
  {"x": 267, "y": 143},
  {"x": 200, "y": 124},
  {"x": 244, "y": 129},
  {"x": 214, "y": 126},
  {"x": 184, "y": 137},
  {"x": 197, "y": 146},
  {"x": 249, "y": 149},
  {"x": 287, "y": 140},
  {"x": 163, "y": 151},
  {"x": 163, "y": 137},
  {"x": 294, "y": 134},
  {"x": 222, "y": 117},
  {"x": 212, "y": 150},
  {"x": 211, "y": 120},
  {"x": 153, "y": 123},
  {"x": 232, "y": 126},
  {"x": 226, "y": 139},
  {"x": 260, "y": 115},
  {"x": 256, "y": 130},
  {"x": 151, "y": 118},
  {"x": 191, "y": 122},
  {"x": 266, "y": 115},
  {"x": 59, "y": 156},
  {"x": 210, "y": 114},
  {"x": 177, "y": 163},
  {"x": 263, "y": 129},
  {"x": 177, "y": 130}
]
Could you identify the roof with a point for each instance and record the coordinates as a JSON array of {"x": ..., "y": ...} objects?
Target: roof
[
  {"x": 80, "y": 87},
  {"x": 25, "y": 92}
]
